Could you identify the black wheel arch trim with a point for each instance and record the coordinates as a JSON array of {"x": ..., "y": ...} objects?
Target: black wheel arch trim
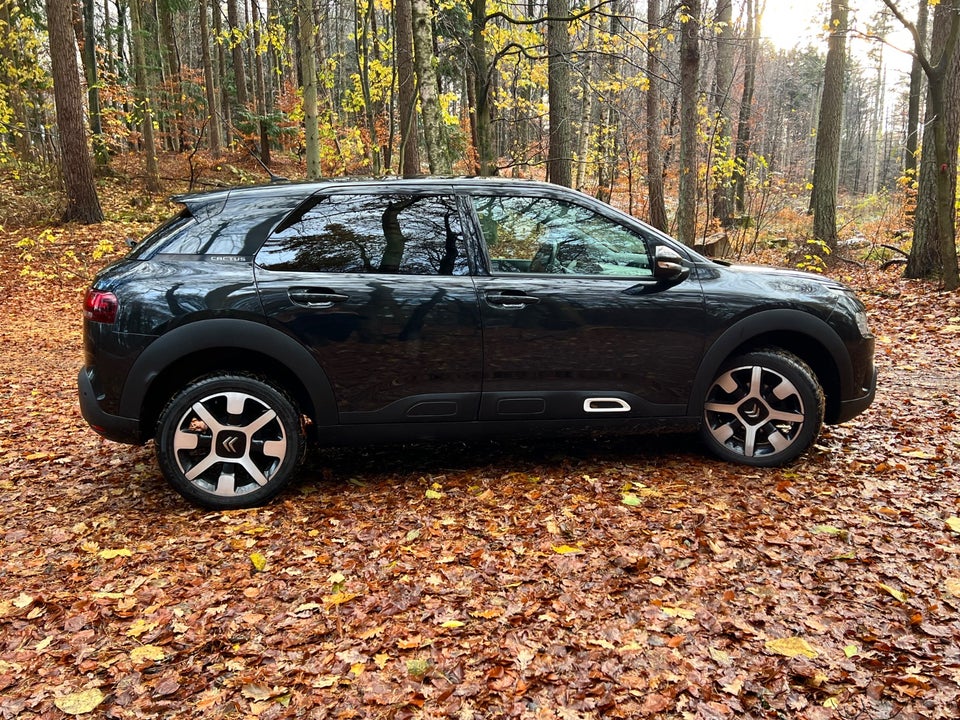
[
  {"x": 226, "y": 335},
  {"x": 780, "y": 321}
]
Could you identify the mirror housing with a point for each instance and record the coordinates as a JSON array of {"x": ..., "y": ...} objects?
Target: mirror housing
[{"x": 668, "y": 265}]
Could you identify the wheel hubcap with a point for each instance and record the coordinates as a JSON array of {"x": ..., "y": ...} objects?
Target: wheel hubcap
[
  {"x": 754, "y": 411},
  {"x": 229, "y": 443}
]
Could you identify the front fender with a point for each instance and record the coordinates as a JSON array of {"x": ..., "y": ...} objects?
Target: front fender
[{"x": 808, "y": 336}]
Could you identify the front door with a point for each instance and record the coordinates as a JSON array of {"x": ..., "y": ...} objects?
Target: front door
[{"x": 575, "y": 325}]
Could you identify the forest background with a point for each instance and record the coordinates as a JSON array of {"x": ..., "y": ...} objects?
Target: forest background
[
  {"x": 683, "y": 114},
  {"x": 623, "y": 578}
]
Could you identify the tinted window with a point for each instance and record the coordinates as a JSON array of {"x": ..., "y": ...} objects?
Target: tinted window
[
  {"x": 240, "y": 228},
  {"x": 542, "y": 235},
  {"x": 405, "y": 234}
]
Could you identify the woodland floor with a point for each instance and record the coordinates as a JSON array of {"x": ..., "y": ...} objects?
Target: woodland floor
[{"x": 628, "y": 577}]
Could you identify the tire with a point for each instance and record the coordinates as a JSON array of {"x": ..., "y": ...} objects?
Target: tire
[
  {"x": 229, "y": 441},
  {"x": 763, "y": 409}
]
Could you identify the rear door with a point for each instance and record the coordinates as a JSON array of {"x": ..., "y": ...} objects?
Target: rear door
[
  {"x": 575, "y": 324},
  {"x": 377, "y": 285}
]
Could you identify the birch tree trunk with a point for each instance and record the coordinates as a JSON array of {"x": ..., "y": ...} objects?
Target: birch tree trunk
[{"x": 433, "y": 133}]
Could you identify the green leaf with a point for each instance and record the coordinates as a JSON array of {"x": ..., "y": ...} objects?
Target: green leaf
[{"x": 631, "y": 500}]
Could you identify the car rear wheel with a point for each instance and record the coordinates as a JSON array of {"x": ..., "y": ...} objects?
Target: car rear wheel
[
  {"x": 229, "y": 441},
  {"x": 763, "y": 409}
]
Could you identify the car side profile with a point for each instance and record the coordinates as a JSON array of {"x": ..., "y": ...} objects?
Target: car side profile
[{"x": 261, "y": 320}]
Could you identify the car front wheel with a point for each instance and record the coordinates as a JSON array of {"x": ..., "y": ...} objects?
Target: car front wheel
[
  {"x": 763, "y": 409},
  {"x": 229, "y": 441}
]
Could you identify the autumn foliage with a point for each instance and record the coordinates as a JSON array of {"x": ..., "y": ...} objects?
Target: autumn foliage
[{"x": 622, "y": 577}]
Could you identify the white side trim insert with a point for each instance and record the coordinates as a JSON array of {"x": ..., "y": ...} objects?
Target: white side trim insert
[{"x": 605, "y": 405}]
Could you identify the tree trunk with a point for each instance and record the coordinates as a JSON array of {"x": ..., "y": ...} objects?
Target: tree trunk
[
  {"x": 480, "y": 72},
  {"x": 916, "y": 97},
  {"x": 823, "y": 200},
  {"x": 689, "y": 97},
  {"x": 406, "y": 89},
  {"x": 213, "y": 114},
  {"x": 239, "y": 68},
  {"x": 934, "y": 251},
  {"x": 83, "y": 205},
  {"x": 362, "y": 45},
  {"x": 260, "y": 84},
  {"x": 722, "y": 144},
  {"x": 433, "y": 132},
  {"x": 558, "y": 92},
  {"x": 745, "y": 118},
  {"x": 143, "y": 98},
  {"x": 226, "y": 107},
  {"x": 11, "y": 60},
  {"x": 100, "y": 155},
  {"x": 658, "y": 210},
  {"x": 308, "y": 68}
]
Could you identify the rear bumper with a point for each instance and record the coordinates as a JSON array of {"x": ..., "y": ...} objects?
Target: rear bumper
[
  {"x": 851, "y": 408},
  {"x": 112, "y": 427}
]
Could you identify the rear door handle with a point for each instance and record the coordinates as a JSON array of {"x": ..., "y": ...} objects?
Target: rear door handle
[
  {"x": 508, "y": 299},
  {"x": 315, "y": 297}
]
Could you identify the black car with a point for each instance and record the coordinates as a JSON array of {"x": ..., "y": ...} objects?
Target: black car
[{"x": 258, "y": 319}]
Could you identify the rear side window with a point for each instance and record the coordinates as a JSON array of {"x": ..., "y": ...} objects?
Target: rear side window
[
  {"x": 395, "y": 234},
  {"x": 179, "y": 225}
]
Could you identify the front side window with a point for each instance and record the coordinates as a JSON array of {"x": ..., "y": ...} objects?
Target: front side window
[
  {"x": 396, "y": 234},
  {"x": 543, "y": 235}
]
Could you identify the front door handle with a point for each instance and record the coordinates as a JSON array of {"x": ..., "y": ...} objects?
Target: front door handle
[
  {"x": 511, "y": 299},
  {"x": 315, "y": 297}
]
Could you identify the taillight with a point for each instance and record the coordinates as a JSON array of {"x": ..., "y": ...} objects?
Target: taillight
[{"x": 100, "y": 306}]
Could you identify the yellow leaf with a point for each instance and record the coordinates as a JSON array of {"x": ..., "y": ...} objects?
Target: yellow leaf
[
  {"x": 954, "y": 524},
  {"x": 111, "y": 554},
  {"x": 80, "y": 703},
  {"x": 44, "y": 644},
  {"x": 893, "y": 592},
  {"x": 679, "y": 612},
  {"x": 433, "y": 495},
  {"x": 23, "y": 600},
  {"x": 140, "y": 626},
  {"x": 450, "y": 624},
  {"x": 851, "y": 650},
  {"x": 338, "y": 598},
  {"x": 832, "y": 703},
  {"x": 258, "y": 561},
  {"x": 147, "y": 652},
  {"x": 953, "y": 587},
  {"x": 631, "y": 500},
  {"x": 791, "y": 647},
  {"x": 357, "y": 669},
  {"x": 567, "y": 549},
  {"x": 381, "y": 660}
]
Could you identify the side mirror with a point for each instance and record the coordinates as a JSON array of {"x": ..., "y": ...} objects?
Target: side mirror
[{"x": 668, "y": 265}]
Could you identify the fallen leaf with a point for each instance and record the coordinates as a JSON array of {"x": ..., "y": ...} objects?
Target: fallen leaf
[
  {"x": 791, "y": 647},
  {"x": 898, "y": 595},
  {"x": 567, "y": 549},
  {"x": 111, "y": 554},
  {"x": 80, "y": 703},
  {"x": 258, "y": 561},
  {"x": 954, "y": 524},
  {"x": 147, "y": 652},
  {"x": 631, "y": 500}
]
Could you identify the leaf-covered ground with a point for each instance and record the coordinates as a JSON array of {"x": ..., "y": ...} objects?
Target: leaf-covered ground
[{"x": 628, "y": 577}]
